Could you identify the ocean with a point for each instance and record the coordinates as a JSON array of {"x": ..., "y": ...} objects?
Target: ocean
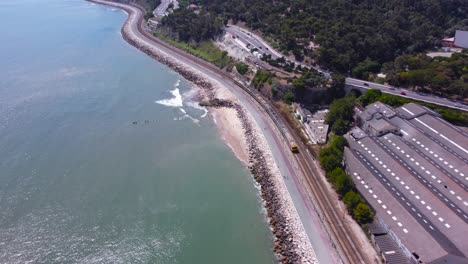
[{"x": 104, "y": 155}]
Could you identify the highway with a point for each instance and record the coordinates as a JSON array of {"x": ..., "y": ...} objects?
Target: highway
[
  {"x": 161, "y": 10},
  {"x": 251, "y": 40},
  {"x": 407, "y": 94}
]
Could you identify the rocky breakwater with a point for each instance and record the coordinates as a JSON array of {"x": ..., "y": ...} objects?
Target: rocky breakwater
[{"x": 291, "y": 242}]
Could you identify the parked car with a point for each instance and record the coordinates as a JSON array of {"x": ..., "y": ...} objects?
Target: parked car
[
  {"x": 366, "y": 84},
  {"x": 403, "y": 93}
]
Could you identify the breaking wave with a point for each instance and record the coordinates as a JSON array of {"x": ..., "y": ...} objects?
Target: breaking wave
[
  {"x": 195, "y": 105},
  {"x": 177, "y": 101}
]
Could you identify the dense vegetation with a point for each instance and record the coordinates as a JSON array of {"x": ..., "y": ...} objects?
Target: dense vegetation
[
  {"x": 330, "y": 159},
  {"x": 150, "y": 4},
  {"x": 348, "y": 32},
  {"x": 340, "y": 115},
  {"x": 309, "y": 80},
  {"x": 355, "y": 37},
  {"x": 440, "y": 75},
  {"x": 188, "y": 26},
  {"x": 457, "y": 117}
]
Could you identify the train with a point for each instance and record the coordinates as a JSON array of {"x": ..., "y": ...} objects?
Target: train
[
  {"x": 292, "y": 144},
  {"x": 294, "y": 148}
]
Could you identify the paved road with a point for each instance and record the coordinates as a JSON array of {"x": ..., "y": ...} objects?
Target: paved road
[
  {"x": 317, "y": 235},
  {"x": 407, "y": 93},
  {"x": 254, "y": 41},
  {"x": 161, "y": 10}
]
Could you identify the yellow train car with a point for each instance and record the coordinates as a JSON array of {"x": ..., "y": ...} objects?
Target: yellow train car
[{"x": 294, "y": 148}]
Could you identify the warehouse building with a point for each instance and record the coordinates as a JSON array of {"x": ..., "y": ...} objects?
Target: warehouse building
[{"x": 410, "y": 166}]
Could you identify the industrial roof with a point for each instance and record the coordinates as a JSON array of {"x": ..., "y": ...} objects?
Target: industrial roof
[
  {"x": 381, "y": 125},
  {"x": 390, "y": 250},
  {"x": 415, "y": 179},
  {"x": 413, "y": 110},
  {"x": 377, "y": 108}
]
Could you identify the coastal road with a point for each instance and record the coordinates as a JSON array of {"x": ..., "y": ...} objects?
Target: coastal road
[
  {"x": 428, "y": 98},
  {"x": 298, "y": 170}
]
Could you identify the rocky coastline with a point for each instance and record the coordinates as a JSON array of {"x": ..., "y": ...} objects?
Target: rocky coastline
[{"x": 291, "y": 244}]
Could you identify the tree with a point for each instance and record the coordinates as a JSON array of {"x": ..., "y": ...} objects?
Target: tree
[
  {"x": 148, "y": 15},
  {"x": 352, "y": 199},
  {"x": 360, "y": 35},
  {"x": 340, "y": 115},
  {"x": 343, "y": 183},
  {"x": 188, "y": 26},
  {"x": 363, "y": 213},
  {"x": 288, "y": 97},
  {"x": 339, "y": 142},
  {"x": 310, "y": 79},
  {"x": 363, "y": 69},
  {"x": 328, "y": 163},
  {"x": 338, "y": 85},
  {"x": 340, "y": 126},
  {"x": 242, "y": 68},
  {"x": 370, "y": 96},
  {"x": 336, "y": 173}
]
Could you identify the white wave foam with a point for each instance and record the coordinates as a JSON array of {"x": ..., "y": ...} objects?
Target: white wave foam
[
  {"x": 178, "y": 102},
  {"x": 197, "y": 106},
  {"x": 196, "y": 121},
  {"x": 175, "y": 101}
]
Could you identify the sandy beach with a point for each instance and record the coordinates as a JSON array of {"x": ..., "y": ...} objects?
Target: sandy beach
[
  {"x": 230, "y": 128},
  {"x": 240, "y": 131}
]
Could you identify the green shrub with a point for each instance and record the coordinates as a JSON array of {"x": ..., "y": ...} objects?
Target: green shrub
[
  {"x": 261, "y": 77},
  {"x": 242, "y": 68},
  {"x": 363, "y": 214},
  {"x": 352, "y": 199},
  {"x": 330, "y": 158},
  {"x": 288, "y": 98}
]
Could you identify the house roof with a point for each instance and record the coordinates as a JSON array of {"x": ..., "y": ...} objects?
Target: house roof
[{"x": 461, "y": 39}]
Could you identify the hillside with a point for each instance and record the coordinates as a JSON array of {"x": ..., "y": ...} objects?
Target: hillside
[{"x": 348, "y": 31}]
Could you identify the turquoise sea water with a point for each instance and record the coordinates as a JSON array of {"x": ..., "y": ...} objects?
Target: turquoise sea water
[{"x": 101, "y": 161}]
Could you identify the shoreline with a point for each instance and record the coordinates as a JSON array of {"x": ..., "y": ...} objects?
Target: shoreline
[{"x": 242, "y": 134}]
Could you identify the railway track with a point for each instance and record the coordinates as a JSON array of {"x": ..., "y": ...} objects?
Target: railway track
[{"x": 341, "y": 234}]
